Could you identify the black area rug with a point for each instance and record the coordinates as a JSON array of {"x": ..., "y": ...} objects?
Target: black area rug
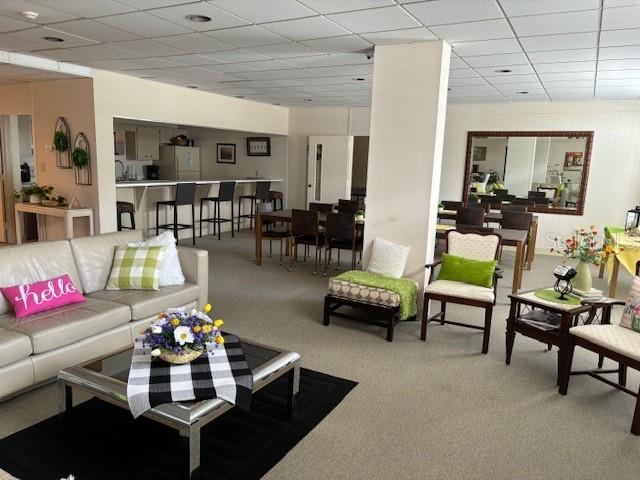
[{"x": 96, "y": 440}]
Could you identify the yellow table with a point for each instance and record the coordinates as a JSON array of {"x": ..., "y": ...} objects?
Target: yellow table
[{"x": 628, "y": 257}]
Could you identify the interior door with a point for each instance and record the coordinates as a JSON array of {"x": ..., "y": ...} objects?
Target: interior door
[{"x": 329, "y": 166}]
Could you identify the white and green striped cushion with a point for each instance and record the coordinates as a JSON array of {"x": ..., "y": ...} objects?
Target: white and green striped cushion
[{"x": 135, "y": 268}]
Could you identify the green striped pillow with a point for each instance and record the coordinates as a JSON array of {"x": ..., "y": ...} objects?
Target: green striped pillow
[{"x": 135, "y": 268}]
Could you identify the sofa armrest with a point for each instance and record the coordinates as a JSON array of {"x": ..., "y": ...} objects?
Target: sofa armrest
[{"x": 195, "y": 266}]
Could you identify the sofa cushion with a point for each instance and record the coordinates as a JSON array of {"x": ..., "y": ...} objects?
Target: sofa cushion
[
  {"x": 33, "y": 263},
  {"x": 147, "y": 303},
  {"x": 66, "y": 325},
  {"x": 614, "y": 337},
  {"x": 94, "y": 256},
  {"x": 459, "y": 289},
  {"x": 13, "y": 347}
]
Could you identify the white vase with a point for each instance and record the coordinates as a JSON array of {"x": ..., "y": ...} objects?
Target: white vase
[
  {"x": 35, "y": 199},
  {"x": 583, "y": 280}
]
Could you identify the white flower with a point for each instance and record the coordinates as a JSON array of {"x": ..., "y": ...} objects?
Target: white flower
[
  {"x": 160, "y": 321},
  {"x": 156, "y": 329},
  {"x": 193, "y": 312},
  {"x": 183, "y": 335},
  {"x": 155, "y": 352}
]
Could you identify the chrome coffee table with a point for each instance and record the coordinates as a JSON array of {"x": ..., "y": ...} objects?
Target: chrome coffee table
[{"x": 106, "y": 378}]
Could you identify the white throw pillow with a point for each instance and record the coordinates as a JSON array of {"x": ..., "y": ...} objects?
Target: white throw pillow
[
  {"x": 170, "y": 269},
  {"x": 387, "y": 258}
]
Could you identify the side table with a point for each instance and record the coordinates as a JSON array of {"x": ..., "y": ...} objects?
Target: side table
[{"x": 527, "y": 314}]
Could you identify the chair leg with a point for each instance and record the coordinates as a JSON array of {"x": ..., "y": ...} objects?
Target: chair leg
[
  {"x": 390, "y": 322},
  {"x": 201, "y": 208},
  {"x": 132, "y": 217},
  {"x": 488, "y": 312},
  {"x": 218, "y": 215},
  {"x": 425, "y": 319},
  {"x": 119, "y": 222},
  {"x": 510, "y": 338},
  {"x": 600, "y": 360},
  {"x": 293, "y": 250},
  {"x": 232, "y": 235},
  {"x": 280, "y": 251},
  {"x": 601, "y": 271},
  {"x": 157, "y": 218},
  {"x": 239, "y": 213},
  {"x": 253, "y": 208},
  {"x": 327, "y": 312},
  {"x": 326, "y": 258},
  {"x": 193, "y": 223},
  {"x": 622, "y": 374},
  {"x": 565, "y": 373},
  {"x": 175, "y": 222},
  {"x": 443, "y": 310},
  {"x": 635, "y": 424},
  {"x": 315, "y": 265}
]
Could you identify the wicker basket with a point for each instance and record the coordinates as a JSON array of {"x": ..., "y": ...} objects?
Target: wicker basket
[{"x": 180, "y": 359}]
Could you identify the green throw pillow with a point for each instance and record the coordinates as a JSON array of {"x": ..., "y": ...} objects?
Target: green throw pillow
[
  {"x": 135, "y": 268},
  {"x": 474, "y": 272}
]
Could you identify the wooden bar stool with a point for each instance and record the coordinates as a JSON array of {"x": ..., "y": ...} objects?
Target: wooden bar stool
[
  {"x": 185, "y": 195},
  {"x": 124, "y": 208},
  {"x": 261, "y": 194},
  {"x": 225, "y": 194}
]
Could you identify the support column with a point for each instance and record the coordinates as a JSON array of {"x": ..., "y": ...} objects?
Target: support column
[{"x": 408, "y": 110}]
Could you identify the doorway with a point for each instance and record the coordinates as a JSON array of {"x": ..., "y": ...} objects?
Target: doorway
[{"x": 329, "y": 166}]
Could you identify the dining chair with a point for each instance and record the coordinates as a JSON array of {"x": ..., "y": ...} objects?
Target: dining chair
[
  {"x": 482, "y": 247},
  {"x": 514, "y": 208},
  {"x": 521, "y": 201},
  {"x": 270, "y": 231},
  {"x": 320, "y": 207},
  {"x": 470, "y": 216},
  {"x": 451, "y": 205},
  {"x": 305, "y": 230},
  {"x": 340, "y": 233},
  {"x": 515, "y": 220},
  {"x": 348, "y": 206}
]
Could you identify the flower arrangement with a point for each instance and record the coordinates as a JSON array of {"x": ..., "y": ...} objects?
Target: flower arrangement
[
  {"x": 582, "y": 245},
  {"x": 180, "y": 337}
]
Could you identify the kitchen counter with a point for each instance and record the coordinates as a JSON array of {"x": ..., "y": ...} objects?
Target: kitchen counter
[{"x": 172, "y": 183}]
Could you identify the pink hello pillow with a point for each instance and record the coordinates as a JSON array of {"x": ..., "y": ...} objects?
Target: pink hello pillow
[{"x": 42, "y": 296}]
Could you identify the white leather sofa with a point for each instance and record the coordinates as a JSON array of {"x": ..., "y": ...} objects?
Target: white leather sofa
[{"x": 35, "y": 348}]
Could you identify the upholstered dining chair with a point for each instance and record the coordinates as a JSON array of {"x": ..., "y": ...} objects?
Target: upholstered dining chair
[
  {"x": 480, "y": 247},
  {"x": 470, "y": 216}
]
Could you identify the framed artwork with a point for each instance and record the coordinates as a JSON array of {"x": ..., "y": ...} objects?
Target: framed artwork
[
  {"x": 479, "y": 154},
  {"x": 226, "y": 153},
  {"x": 258, "y": 146},
  {"x": 573, "y": 160}
]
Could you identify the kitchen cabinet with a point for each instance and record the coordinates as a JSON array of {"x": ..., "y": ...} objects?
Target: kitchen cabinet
[
  {"x": 166, "y": 134},
  {"x": 148, "y": 143}
]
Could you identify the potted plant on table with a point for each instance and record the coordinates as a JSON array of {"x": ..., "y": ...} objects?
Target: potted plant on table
[
  {"x": 584, "y": 246},
  {"x": 33, "y": 193}
]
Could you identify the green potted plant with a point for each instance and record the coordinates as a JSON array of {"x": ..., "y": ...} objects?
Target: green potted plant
[
  {"x": 60, "y": 141},
  {"x": 80, "y": 157},
  {"x": 33, "y": 193},
  {"x": 54, "y": 201},
  {"x": 360, "y": 215}
]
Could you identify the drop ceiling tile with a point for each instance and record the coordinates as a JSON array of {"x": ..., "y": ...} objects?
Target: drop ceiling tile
[
  {"x": 8, "y": 24},
  {"x": 113, "y": 64},
  {"x": 462, "y": 82},
  {"x": 565, "y": 76},
  {"x": 336, "y": 6},
  {"x": 260, "y": 12},
  {"x": 12, "y": 8},
  {"x": 266, "y": 65},
  {"x": 192, "y": 59},
  {"x": 513, "y": 91},
  {"x": 86, "y": 8},
  {"x": 462, "y": 73},
  {"x": 178, "y": 14},
  {"x": 94, "y": 30},
  {"x": 18, "y": 44},
  {"x": 619, "y": 18},
  {"x": 148, "y": 47},
  {"x": 408, "y": 35},
  {"x": 615, "y": 82},
  {"x": 515, "y": 70},
  {"x": 627, "y": 64},
  {"x": 509, "y": 87},
  {"x": 456, "y": 63},
  {"x": 556, "y": 56},
  {"x": 283, "y": 50},
  {"x": 506, "y": 78},
  {"x": 565, "y": 67},
  {"x": 568, "y": 84},
  {"x": 473, "y": 88},
  {"x": 619, "y": 53},
  {"x": 454, "y": 11},
  {"x": 487, "y": 47},
  {"x": 328, "y": 60},
  {"x": 556, "y": 23},
  {"x": 566, "y": 90},
  {"x": 37, "y": 35},
  {"x": 375, "y": 20},
  {"x": 329, "y": 80},
  {"x": 143, "y": 24},
  {"x": 228, "y": 67},
  {"x": 616, "y": 96},
  {"x": 528, "y": 98},
  {"x": 155, "y": 62},
  {"x": 619, "y": 3},
  {"x": 347, "y": 44},
  {"x": 615, "y": 38},
  {"x": 515, "y": 8},
  {"x": 497, "y": 60},
  {"x": 618, "y": 74},
  {"x": 577, "y": 94},
  {"x": 560, "y": 42},
  {"x": 336, "y": 71},
  {"x": 238, "y": 56},
  {"x": 466, "y": 32},
  {"x": 194, "y": 43},
  {"x": 306, "y": 28},
  {"x": 91, "y": 53},
  {"x": 249, "y": 36},
  {"x": 485, "y": 98}
]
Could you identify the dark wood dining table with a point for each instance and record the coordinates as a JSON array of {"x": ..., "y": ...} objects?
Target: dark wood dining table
[
  {"x": 496, "y": 217},
  {"x": 284, "y": 216},
  {"x": 510, "y": 237}
]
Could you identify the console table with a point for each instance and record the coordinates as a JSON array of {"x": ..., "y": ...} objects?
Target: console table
[{"x": 68, "y": 214}]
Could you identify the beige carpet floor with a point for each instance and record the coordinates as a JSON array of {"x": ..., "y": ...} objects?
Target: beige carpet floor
[{"x": 439, "y": 410}]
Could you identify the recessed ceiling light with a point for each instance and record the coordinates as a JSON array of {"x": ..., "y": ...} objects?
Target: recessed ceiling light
[
  {"x": 30, "y": 15},
  {"x": 198, "y": 18},
  {"x": 192, "y": 86},
  {"x": 308, "y": 100},
  {"x": 359, "y": 79},
  {"x": 276, "y": 104},
  {"x": 53, "y": 39},
  {"x": 522, "y": 93},
  {"x": 503, "y": 70}
]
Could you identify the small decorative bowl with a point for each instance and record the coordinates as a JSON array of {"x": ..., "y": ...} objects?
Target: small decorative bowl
[{"x": 180, "y": 359}]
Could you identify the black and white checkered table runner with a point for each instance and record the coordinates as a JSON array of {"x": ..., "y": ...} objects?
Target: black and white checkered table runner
[{"x": 223, "y": 373}]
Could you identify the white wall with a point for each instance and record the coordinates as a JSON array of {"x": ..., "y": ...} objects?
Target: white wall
[
  {"x": 496, "y": 148},
  {"x": 614, "y": 183},
  {"x": 541, "y": 161},
  {"x": 519, "y": 166}
]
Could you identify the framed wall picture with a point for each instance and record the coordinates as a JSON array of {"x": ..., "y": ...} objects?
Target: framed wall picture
[
  {"x": 226, "y": 153},
  {"x": 479, "y": 154},
  {"x": 258, "y": 146},
  {"x": 573, "y": 160}
]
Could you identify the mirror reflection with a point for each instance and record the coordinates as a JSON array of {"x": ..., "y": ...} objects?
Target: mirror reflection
[{"x": 545, "y": 171}]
